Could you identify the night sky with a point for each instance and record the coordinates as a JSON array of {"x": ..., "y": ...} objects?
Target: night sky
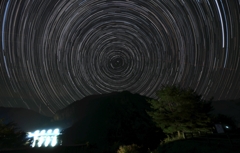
[{"x": 54, "y": 52}]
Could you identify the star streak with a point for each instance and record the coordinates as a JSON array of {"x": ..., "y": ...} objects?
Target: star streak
[{"x": 55, "y": 52}]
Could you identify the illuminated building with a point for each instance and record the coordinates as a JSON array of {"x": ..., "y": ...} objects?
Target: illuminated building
[{"x": 43, "y": 138}]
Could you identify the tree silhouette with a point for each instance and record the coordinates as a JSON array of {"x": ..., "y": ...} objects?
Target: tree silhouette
[
  {"x": 130, "y": 124},
  {"x": 178, "y": 109},
  {"x": 11, "y": 136}
]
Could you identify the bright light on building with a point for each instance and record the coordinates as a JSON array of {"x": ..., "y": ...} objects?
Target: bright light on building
[
  {"x": 56, "y": 131},
  {"x": 47, "y": 141},
  {"x": 49, "y": 131},
  {"x": 42, "y": 132},
  {"x": 54, "y": 141},
  {"x": 43, "y": 138},
  {"x": 40, "y": 142}
]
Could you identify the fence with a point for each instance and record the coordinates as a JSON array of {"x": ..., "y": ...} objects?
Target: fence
[{"x": 232, "y": 139}]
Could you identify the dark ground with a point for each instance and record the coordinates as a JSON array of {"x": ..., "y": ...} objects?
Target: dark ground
[{"x": 193, "y": 145}]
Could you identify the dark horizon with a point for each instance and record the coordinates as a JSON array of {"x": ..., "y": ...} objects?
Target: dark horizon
[{"x": 229, "y": 108}]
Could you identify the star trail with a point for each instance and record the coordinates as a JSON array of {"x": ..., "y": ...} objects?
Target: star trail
[{"x": 54, "y": 52}]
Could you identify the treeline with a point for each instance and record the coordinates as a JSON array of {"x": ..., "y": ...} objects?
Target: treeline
[
  {"x": 127, "y": 121},
  {"x": 133, "y": 121}
]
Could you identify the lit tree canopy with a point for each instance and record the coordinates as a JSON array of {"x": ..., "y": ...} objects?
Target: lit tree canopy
[{"x": 178, "y": 109}]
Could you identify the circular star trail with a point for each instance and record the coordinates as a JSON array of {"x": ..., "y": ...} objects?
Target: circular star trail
[{"x": 54, "y": 52}]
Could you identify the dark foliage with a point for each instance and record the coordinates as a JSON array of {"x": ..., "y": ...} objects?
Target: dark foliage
[
  {"x": 11, "y": 136},
  {"x": 178, "y": 109},
  {"x": 130, "y": 124}
]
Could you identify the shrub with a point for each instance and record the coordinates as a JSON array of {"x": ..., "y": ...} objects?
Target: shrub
[{"x": 129, "y": 149}]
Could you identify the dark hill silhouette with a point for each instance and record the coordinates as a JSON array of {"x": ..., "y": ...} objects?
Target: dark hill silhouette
[
  {"x": 79, "y": 109},
  {"x": 109, "y": 118},
  {"x": 228, "y": 107},
  {"x": 27, "y": 120}
]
